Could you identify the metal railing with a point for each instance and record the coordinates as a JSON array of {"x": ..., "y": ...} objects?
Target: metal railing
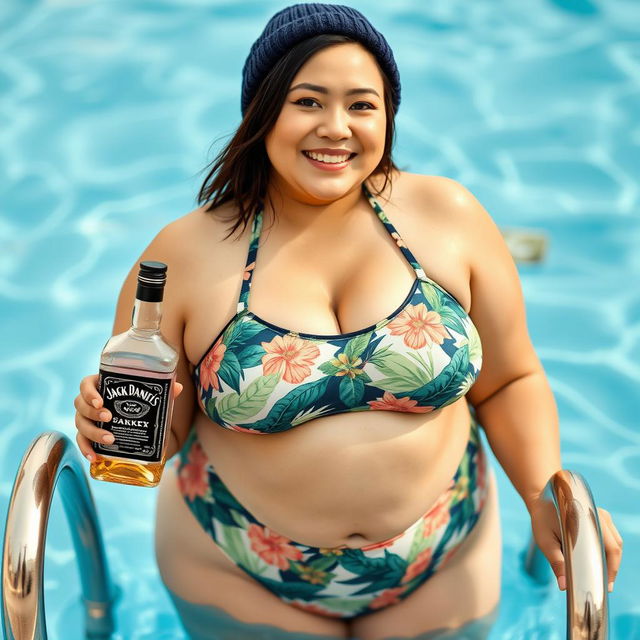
[
  {"x": 586, "y": 572},
  {"x": 51, "y": 458}
]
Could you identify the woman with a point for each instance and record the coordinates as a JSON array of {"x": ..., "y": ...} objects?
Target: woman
[{"x": 351, "y": 286}]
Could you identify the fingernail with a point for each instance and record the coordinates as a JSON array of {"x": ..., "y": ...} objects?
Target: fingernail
[
  {"x": 108, "y": 438},
  {"x": 104, "y": 415},
  {"x": 95, "y": 402},
  {"x": 89, "y": 457},
  {"x": 611, "y": 586},
  {"x": 562, "y": 583}
]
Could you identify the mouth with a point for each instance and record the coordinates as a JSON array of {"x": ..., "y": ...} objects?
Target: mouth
[{"x": 332, "y": 162}]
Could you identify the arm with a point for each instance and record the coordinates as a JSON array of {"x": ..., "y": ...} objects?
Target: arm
[
  {"x": 166, "y": 247},
  {"x": 511, "y": 396}
]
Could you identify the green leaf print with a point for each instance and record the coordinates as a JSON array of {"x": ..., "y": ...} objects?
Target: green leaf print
[
  {"x": 351, "y": 391},
  {"x": 343, "y": 605},
  {"x": 240, "y": 332},
  {"x": 298, "y": 590},
  {"x": 328, "y": 368},
  {"x": 376, "y": 573},
  {"x": 451, "y": 377},
  {"x": 230, "y": 370},
  {"x": 418, "y": 544},
  {"x": 300, "y": 398},
  {"x": 251, "y": 356},
  {"x": 357, "y": 345},
  {"x": 235, "y": 407},
  {"x": 450, "y": 318},
  {"x": 235, "y": 547},
  {"x": 433, "y": 295},
  {"x": 427, "y": 366},
  {"x": 475, "y": 346},
  {"x": 403, "y": 374},
  {"x": 379, "y": 355}
]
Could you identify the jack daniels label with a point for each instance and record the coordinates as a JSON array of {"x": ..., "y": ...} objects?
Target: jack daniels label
[{"x": 138, "y": 407}]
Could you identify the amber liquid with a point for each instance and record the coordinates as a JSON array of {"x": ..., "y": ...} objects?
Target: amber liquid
[{"x": 125, "y": 470}]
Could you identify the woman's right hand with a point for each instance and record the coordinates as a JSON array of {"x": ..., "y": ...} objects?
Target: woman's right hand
[{"x": 89, "y": 410}]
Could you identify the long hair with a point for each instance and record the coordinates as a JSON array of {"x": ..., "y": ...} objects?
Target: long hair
[{"x": 240, "y": 172}]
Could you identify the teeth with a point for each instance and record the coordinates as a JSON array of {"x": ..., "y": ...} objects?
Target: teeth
[{"x": 323, "y": 157}]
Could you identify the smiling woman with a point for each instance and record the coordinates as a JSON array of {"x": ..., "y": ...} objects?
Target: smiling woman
[{"x": 370, "y": 344}]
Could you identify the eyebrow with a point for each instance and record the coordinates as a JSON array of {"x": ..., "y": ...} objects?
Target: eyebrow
[{"x": 319, "y": 89}]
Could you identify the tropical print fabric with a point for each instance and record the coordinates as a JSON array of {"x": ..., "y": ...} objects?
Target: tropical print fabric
[
  {"x": 260, "y": 378},
  {"x": 338, "y": 582}
]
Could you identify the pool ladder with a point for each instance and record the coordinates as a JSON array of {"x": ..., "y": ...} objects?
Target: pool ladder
[{"x": 53, "y": 457}]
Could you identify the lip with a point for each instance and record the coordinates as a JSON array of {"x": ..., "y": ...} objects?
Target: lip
[
  {"x": 331, "y": 152},
  {"x": 325, "y": 166}
]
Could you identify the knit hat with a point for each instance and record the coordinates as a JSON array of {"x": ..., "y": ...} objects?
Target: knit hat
[{"x": 300, "y": 21}]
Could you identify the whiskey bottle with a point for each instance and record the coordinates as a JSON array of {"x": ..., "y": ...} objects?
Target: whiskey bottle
[{"x": 136, "y": 377}]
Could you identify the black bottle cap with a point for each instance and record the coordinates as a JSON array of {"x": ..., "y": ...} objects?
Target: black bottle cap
[{"x": 151, "y": 280}]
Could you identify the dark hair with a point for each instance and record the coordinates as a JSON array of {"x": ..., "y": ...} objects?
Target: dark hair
[{"x": 240, "y": 172}]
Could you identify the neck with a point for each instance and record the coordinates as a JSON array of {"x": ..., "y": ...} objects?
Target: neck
[{"x": 298, "y": 212}]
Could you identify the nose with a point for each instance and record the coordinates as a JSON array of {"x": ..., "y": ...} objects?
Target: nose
[{"x": 335, "y": 124}]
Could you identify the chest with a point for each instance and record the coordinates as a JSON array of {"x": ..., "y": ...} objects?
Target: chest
[{"x": 331, "y": 286}]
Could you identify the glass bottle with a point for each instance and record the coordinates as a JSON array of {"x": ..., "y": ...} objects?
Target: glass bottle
[{"x": 137, "y": 372}]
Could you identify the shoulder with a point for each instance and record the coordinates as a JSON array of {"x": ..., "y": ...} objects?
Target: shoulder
[
  {"x": 456, "y": 206},
  {"x": 198, "y": 227}
]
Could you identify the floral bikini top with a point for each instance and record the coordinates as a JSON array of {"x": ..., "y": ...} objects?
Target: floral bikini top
[{"x": 260, "y": 378}]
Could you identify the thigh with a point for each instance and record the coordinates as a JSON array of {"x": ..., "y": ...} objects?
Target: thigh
[
  {"x": 194, "y": 568},
  {"x": 467, "y": 588}
]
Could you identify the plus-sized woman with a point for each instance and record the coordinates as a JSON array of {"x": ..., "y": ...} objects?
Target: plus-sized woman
[{"x": 345, "y": 329}]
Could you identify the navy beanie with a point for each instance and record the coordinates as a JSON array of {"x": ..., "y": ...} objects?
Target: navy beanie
[{"x": 300, "y": 21}]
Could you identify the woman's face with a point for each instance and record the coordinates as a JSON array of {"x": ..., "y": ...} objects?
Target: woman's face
[{"x": 327, "y": 116}]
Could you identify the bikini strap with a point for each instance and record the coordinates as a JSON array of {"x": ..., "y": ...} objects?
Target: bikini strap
[
  {"x": 420, "y": 274},
  {"x": 256, "y": 228}
]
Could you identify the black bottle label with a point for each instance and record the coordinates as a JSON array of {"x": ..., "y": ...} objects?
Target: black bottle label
[{"x": 138, "y": 407}]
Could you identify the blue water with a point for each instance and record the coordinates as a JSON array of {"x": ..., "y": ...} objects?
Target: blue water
[{"x": 107, "y": 114}]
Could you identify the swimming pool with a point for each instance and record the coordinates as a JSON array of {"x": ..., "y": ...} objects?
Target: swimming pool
[{"x": 107, "y": 112}]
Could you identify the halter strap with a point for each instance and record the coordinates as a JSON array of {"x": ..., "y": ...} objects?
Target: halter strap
[{"x": 256, "y": 229}]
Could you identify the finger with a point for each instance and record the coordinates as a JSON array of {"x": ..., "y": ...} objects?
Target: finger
[
  {"x": 612, "y": 527},
  {"x": 613, "y": 552},
  {"x": 552, "y": 550},
  {"x": 177, "y": 389},
  {"x": 90, "y": 431},
  {"x": 84, "y": 444},
  {"x": 89, "y": 412},
  {"x": 89, "y": 391}
]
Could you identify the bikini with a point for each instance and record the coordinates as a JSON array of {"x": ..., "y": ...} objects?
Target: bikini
[{"x": 259, "y": 378}]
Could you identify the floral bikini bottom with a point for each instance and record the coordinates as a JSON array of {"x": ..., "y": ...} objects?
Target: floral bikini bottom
[{"x": 338, "y": 582}]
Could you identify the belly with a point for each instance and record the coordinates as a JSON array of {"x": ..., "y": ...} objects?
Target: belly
[{"x": 348, "y": 479}]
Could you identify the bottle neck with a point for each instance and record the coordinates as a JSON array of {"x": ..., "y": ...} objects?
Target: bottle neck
[{"x": 146, "y": 316}]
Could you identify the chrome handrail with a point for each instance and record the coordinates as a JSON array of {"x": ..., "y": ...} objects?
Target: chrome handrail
[
  {"x": 51, "y": 457},
  {"x": 586, "y": 572}
]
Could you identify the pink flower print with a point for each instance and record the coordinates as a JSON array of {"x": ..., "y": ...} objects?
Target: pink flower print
[
  {"x": 290, "y": 356},
  {"x": 419, "y": 326},
  {"x": 273, "y": 548},
  {"x": 314, "y": 608},
  {"x": 210, "y": 366},
  {"x": 387, "y": 597},
  {"x": 438, "y": 516},
  {"x": 383, "y": 544},
  {"x": 389, "y": 402},
  {"x": 193, "y": 478},
  {"x": 235, "y": 427},
  {"x": 418, "y": 566}
]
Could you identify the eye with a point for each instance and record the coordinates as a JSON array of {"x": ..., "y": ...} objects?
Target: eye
[
  {"x": 312, "y": 100},
  {"x": 303, "y": 99},
  {"x": 365, "y": 103}
]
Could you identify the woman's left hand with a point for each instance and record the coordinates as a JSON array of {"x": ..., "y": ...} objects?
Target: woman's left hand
[{"x": 546, "y": 532}]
